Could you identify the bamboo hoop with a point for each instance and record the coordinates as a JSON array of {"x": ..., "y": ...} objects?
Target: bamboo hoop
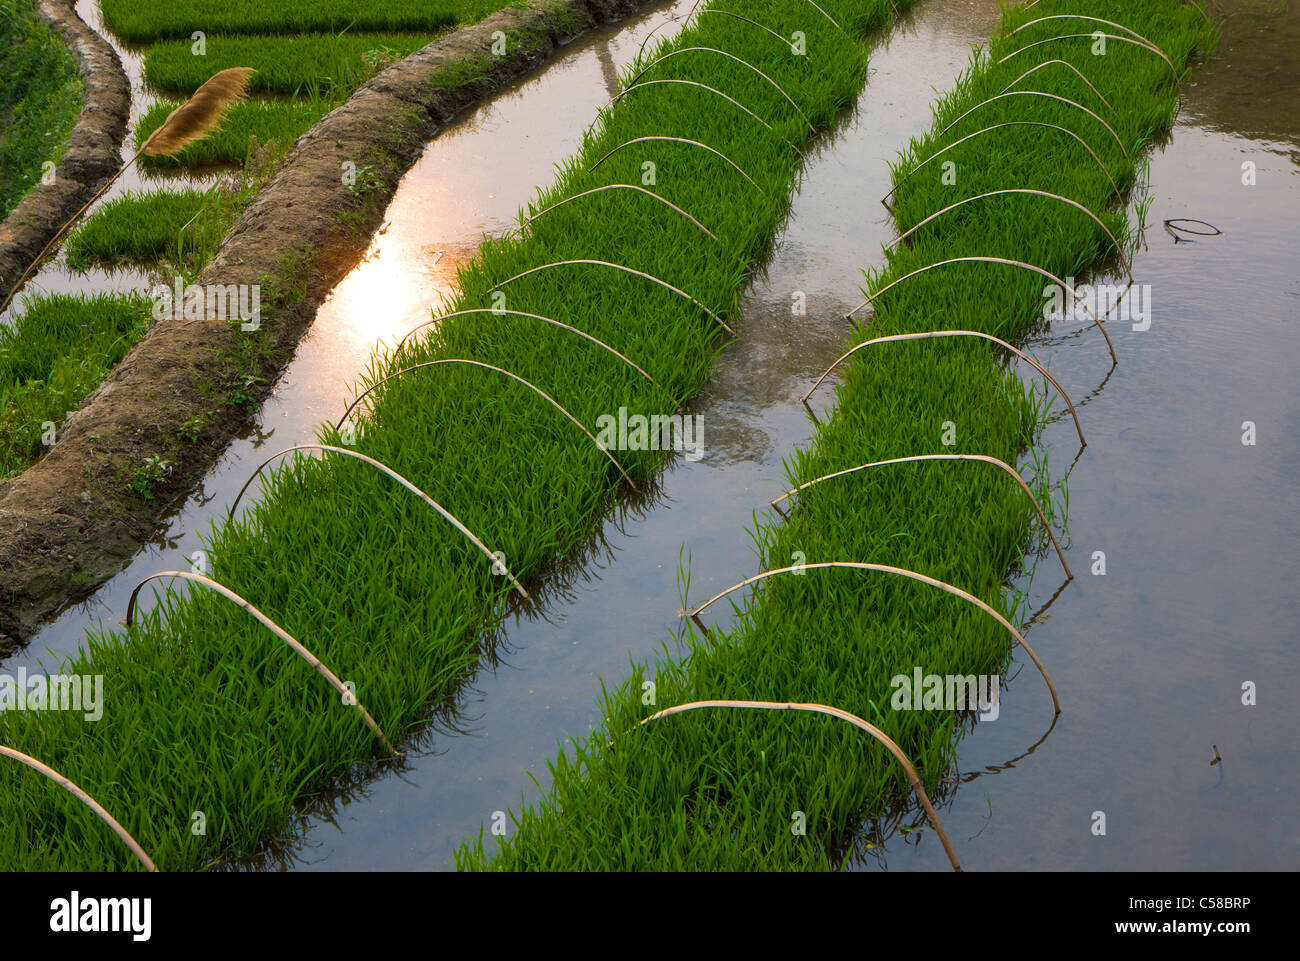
[
  {"x": 893, "y": 338},
  {"x": 1049, "y": 96},
  {"x": 1119, "y": 250},
  {"x": 996, "y": 260},
  {"x": 728, "y": 13},
  {"x": 546, "y": 320},
  {"x": 500, "y": 370},
  {"x": 648, "y": 193},
  {"x": 920, "y": 458},
  {"x": 892, "y": 746},
  {"x": 629, "y": 270},
  {"x": 1093, "y": 36},
  {"x": 705, "y": 86},
  {"x": 1110, "y": 23},
  {"x": 306, "y": 655},
  {"x": 684, "y": 140},
  {"x": 446, "y": 514},
  {"x": 694, "y": 615},
  {"x": 1013, "y": 123},
  {"x": 1063, "y": 63},
  {"x": 85, "y": 799},
  {"x": 731, "y": 56}
]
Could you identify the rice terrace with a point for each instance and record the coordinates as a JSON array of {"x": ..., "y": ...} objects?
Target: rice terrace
[{"x": 605, "y": 435}]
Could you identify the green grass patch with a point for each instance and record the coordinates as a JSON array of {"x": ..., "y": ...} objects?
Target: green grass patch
[
  {"x": 284, "y": 65},
  {"x": 40, "y": 99},
  {"x": 56, "y": 353}
]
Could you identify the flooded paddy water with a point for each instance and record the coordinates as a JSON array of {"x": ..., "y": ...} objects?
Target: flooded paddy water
[{"x": 1200, "y": 531}]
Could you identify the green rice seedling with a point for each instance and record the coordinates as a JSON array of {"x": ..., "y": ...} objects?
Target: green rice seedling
[
  {"x": 284, "y": 64},
  {"x": 138, "y": 21},
  {"x": 141, "y": 229}
]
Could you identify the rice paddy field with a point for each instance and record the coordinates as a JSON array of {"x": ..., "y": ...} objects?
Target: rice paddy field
[{"x": 427, "y": 538}]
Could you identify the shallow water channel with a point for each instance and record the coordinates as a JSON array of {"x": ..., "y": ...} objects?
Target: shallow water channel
[{"x": 1199, "y": 531}]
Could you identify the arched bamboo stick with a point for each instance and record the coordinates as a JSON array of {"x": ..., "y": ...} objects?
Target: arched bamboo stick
[
  {"x": 920, "y": 458},
  {"x": 689, "y": 13},
  {"x": 1012, "y": 123},
  {"x": 705, "y": 86},
  {"x": 500, "y": 370},
  {"x": 926, "y": 335},
  {"x": 830, "y": 18},
  {"x": 648, "y": 193},
  {"x": 1109, "y": 23},
  {"x": 1119, "y": 250},
  {"x": 1048, "y": 96},
  {"x": 694, "y": 615},
  {"x": 695, "y": 143},
  {"x": 731, "y": 56},
  {"x": 446, "y": 514},
  {"x": 1094, "y": 36},
  {"x": 85, "y": 799},
  {"x": 306, "y": 655},
  {"x": 629, "y": 270},
  {"x": 1063, "y": 63},
  {"x": 546, "y": 320},
  {"x": 995, "y": 260},
  {"x": 892, "y": 746},
  {"x": 728, "y": 13}
]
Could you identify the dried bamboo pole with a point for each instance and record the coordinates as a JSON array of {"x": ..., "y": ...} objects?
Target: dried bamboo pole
[
  {"x": 890, "y": 744},
  {"x": 500, "y": 370},
  {"x": 694, "y": 615},
  {"x": 278, "y": 631},
  {"x": 85, "y": 799},
  {"x": 446, "y": 514}
]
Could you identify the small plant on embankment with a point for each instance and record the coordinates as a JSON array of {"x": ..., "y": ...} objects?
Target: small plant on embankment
[
  {"x": 40, "y": 98},
  {"x": 742, "y": 789},
  {"x": 209, "y": 711}
]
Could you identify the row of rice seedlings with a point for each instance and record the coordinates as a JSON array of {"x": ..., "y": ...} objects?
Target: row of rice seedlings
[
  {"x": 40, "y": 99},
  {"x": 246, "y": 122},
  {"x": 743, "y": 790},
  {"x": 143, "y": 22},
  {"x": 208, "y": 712},
  {"x": 183, "y": 228},
  {"x": 284, "y": 64},
  {"x": 53, "y": 355}
]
